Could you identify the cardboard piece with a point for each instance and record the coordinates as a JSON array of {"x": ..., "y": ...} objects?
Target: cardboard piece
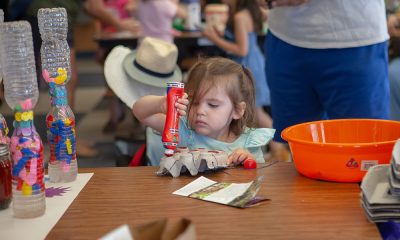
[
  {"x": 193, "y": 161},
  {"x": 158, "y": 230}
]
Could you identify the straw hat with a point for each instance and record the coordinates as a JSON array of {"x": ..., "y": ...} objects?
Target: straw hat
[{"x": 144, "y": 71}]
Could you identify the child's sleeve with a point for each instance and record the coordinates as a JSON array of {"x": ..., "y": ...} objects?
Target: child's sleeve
[
  {"x": 258, "y": 138},
  {"x": 183, "y": 132}
]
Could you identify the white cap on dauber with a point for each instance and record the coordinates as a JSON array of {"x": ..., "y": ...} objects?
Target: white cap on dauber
[{"x": 169, "y": 152}]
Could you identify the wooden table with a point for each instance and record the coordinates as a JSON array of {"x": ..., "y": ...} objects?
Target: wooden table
[{"x": 300, "y": 208}]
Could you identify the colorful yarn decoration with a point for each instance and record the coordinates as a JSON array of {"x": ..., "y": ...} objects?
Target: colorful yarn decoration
[
  {"x": 61, "y": 77},
  {"x": 26, "y": 150},
  {"x": 60, "y": 128}
]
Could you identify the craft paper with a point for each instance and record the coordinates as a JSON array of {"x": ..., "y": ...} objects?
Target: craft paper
[
  {"x": 58, "y": 198},
  {"x": 232, "y": 194}
]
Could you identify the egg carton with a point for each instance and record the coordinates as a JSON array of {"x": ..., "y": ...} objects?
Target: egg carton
[{"x": 194, "y": 161}]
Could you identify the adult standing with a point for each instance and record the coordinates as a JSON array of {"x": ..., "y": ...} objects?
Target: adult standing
[
  {"x": 326, "y": 59},
  {"x": 394, "y": 65}
]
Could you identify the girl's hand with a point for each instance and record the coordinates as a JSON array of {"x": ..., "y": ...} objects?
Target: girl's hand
[
  {"x": 181, "y": 104},
  {"x": 238, "y": 156},
  {"x": 282, "y": 3},
  {"x": 211, "y": 33}
]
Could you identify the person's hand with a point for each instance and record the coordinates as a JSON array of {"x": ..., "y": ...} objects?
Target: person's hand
[
  {"x": 181, "y": 104},
  {"x": 130, "y": 25},
  {"x": 283, "y": 3},
  {"x": 211, "y": 33},
  {"x": 238, "y": 156}
]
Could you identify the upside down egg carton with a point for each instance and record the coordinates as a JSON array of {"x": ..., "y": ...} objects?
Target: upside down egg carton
[{"x": 194, "y": 161}]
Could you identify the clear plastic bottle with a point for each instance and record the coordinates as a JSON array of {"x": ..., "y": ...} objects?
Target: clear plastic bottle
[
  {"x": 56, "y": 70},
  {"x": 21, "y": 94}
]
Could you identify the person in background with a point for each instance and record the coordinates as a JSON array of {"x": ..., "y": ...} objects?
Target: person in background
[
  {"x": 326, "y": 59},
  {"x": 240, "y": 42},
  {"x": 156, "y": 17},
  {"x": 394, "y": 65},
  {"x": 220, "y": 111},
  {"x": 113, "y": 16}
]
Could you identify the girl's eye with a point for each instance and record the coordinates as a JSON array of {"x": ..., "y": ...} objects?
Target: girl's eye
[{"x": 213, "y": 105}]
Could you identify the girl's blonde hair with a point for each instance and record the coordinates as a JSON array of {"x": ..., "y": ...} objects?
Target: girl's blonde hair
[{"x": 215, "y": 72}]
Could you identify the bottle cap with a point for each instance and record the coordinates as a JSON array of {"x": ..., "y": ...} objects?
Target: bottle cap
[
  {"x": 250, "y": 164},
  {"x": 169, "y": 152}
]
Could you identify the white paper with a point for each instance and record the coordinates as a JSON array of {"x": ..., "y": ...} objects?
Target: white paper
[
  {"x": 228, "y": 194},
  {"x": 196, "y": 185},
  {"x": 232, "y": 194},
  {"x": 38, "y": 228}
]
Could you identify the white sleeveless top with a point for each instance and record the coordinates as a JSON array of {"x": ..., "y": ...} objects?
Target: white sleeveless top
[{"x": 330, "y": 23}]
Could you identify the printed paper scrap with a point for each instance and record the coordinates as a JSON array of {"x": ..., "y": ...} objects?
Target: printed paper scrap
[{"x": 233, "y": 194}]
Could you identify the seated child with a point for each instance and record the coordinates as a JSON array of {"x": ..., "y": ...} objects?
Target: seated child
[{"x": 217, "y": 111}]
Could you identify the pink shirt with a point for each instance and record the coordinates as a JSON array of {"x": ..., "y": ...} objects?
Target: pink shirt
[
  {"x": 156, "y": 18},
  {"x": 116, "y": 8}
]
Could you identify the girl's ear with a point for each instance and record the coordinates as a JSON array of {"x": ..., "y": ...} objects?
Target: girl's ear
[{"x": 239, "y": 111}]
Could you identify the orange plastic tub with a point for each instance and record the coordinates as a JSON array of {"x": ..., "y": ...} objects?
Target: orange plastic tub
[{"x": 341, "y": 150}]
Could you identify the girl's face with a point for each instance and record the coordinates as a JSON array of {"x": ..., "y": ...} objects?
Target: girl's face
[{"x": 212, "y": 114}]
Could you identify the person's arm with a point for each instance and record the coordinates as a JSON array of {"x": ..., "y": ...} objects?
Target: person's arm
[
  {"x": 240, "y": 46},
  {"x": 150, "y": 110},
  {"x": 180, "y": 10},
  {"x": 98, "y": 10}
]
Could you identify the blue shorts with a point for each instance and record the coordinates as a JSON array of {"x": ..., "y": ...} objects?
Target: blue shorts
[{"x": 314, "y": 84}]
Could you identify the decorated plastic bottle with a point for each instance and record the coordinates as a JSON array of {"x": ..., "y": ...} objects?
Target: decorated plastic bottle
[
  {"x": 170, "y": 136},
  {"x": 56, "y": 70},
  {"x": 4, "y": 139},
  {"x": 21, "y": 94}
]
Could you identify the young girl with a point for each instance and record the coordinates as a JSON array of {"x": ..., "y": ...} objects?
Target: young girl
[
  {"x": 240, "y": 41},
  {"x": 219, "y": 106}
]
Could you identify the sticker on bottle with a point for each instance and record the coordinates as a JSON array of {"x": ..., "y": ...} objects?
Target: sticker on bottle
[{"x": 366, "y": 164}]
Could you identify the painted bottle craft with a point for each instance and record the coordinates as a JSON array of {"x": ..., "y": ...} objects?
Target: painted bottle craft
[
  {"x": 56, "y": 70},
  {"x": 21, "y": 94}
]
